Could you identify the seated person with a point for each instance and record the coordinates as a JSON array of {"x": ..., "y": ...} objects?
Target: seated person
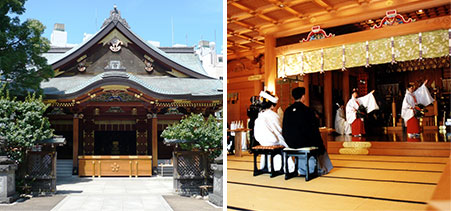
[
  {"x": 301, "y": 129},
  {"x": 267, "y": 129}
]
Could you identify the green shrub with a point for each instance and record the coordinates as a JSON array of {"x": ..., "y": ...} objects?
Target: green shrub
[{"x": 194, "y": 132}]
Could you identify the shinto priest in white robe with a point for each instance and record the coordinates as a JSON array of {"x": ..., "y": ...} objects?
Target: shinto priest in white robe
[{"x": 341, "y": 125}]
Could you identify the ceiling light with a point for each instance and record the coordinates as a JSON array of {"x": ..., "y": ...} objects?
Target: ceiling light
[
  {"x": 281, "y": 5},
  {"x": 370, "y": 21},
  {"x": 420, "y": 12}
]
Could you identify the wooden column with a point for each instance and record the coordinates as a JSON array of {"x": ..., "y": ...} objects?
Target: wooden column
[
  {"x": 154, "y": 141},
  {"x": 75, "y": 142},
  {"x": 270, "y": 63},
  {"x": 307, "y": 90},
  {"x": 393, "y": 111},
  {"x": 346, "y": 91},
  {"x": 328, "y": 98}
]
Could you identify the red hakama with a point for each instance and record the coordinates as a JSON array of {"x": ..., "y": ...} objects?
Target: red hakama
[
  {"x": 357, "y": 127},
  {"x": 413, "y": 126}
]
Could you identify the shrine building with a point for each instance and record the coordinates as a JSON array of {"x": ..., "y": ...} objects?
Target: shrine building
[{"x": 115, "y": 93}]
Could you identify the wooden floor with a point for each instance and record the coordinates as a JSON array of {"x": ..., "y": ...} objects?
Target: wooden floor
[{"x": 357, "y": 182}]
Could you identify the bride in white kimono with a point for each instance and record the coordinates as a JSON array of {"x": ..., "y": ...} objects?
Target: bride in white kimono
[
  {"x": 268, "y": 130},
  {"x": 352, "y": 107}
]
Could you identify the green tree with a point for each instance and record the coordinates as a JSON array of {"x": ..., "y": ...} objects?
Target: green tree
[
  {"x": 22, "y": 124},
  {"x": 197, "y": 133},
  {"x": 22, "y": 68}
]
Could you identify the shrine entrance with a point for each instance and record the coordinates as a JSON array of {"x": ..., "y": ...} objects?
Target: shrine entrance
[{"x": 115, "y": 143}]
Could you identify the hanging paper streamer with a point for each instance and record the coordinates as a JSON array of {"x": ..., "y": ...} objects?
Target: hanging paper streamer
[
  {"x": 421, "y": 47},
  {"x": 322, "y": 61},
  {"x": 392, "y": 41},
  {"x": 449, "y": 41},
  {"x": 367, "y": 55},
  {"x": 344, "y": 61}
]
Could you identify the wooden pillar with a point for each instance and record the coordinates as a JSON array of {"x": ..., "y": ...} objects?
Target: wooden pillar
[
  {"x": 328, "y": 98},
  {"x": 346, "y": 91},
  {"x": 154, "y": 141},
  {"x": 393, "y": 111},
  {"x": 435, "y": 112},
  {"x": 307, "y": 90},
  {"x": 270, "y": 63},
  {"x": 75, "y": 142}
]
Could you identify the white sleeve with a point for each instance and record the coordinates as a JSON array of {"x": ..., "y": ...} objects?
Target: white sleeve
[
  {"x": 423, "y": 96},
  {"x": 369, "y": 102}
]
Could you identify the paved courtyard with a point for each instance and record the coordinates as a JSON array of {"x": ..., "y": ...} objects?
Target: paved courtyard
[{"x": 113, "y": 193}]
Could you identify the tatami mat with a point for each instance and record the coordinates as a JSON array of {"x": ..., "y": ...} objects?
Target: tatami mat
[
  {"x": 259, "y": 198},
  {"x": 356, "y": 183}
]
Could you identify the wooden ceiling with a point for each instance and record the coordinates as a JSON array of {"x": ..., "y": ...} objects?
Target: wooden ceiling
[{"x": 249, "y": 21}]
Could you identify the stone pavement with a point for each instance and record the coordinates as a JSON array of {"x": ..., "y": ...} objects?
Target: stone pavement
[{"x": 113, "y": 193}]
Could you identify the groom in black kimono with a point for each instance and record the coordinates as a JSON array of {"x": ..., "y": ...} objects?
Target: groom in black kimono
[{"x": 300, "y": 128}]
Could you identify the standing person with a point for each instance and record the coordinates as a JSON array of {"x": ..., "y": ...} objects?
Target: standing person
[
  {"x": 301, "y": 129},
  {"x": 252, "y": 113},
  {"x": 342, "y": 127},
  {"x": 410, "y": 107},
  {"x": 267, "y": 129},
  {"x": 356, "y": 108}
]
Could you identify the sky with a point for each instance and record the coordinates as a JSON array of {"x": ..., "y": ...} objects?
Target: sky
[{"x": 192, "y": 20}]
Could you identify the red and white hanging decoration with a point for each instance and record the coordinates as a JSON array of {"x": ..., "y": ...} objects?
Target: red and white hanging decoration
[
  {"x": 317, "y": 34},
  {"x": 392, "y": 18}
]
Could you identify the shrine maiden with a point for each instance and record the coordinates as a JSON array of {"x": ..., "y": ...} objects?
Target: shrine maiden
[
  {"x": 352, "y": 107},
  {"x": 411, "y": 100}
]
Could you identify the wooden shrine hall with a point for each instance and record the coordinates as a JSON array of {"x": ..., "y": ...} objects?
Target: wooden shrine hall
[
  {"x": 330, "y": 47},
  {"x": 114, "y": 94}
]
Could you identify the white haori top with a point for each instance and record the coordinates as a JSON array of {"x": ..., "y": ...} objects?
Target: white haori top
[
  {"x": 268, "y": 129},
  {"x": 422, "y": 96},
  {"x": 341, "y": 125},
  {"x": 352, "y": 106}
]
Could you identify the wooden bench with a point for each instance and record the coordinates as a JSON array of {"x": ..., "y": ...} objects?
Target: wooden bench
[
  {"x": 271, "y": 151},
  {"x": 304, "y": 153}
]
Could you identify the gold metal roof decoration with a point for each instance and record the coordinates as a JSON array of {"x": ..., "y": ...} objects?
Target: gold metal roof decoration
[
  {"x": 392, "y": 18},
  {"x": 317, "y": 34}
]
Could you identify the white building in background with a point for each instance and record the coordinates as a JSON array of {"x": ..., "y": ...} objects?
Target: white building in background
[
  {"x": 211, "y": 61},
  {"x": 58, "y": 38}
]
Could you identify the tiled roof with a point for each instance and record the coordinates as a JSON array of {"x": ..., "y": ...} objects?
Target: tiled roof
[{"x": 168, "y": 86}]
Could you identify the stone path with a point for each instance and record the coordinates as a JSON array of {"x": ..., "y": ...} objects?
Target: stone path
[{"x": 102, "y": 194}]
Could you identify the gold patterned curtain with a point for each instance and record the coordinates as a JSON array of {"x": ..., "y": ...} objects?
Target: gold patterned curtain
[
  {"x": 407, "y": 47},
  {"x": 333, "y": 58},
  {"x": 380, "y": 51},
  {"x": 312, "y": 61},
  {"x": 280, "y": 66},
  {"x": 293, "y": 64},
  {"x": 435, "y": 43},
  {"x": 355, "y": 54}
]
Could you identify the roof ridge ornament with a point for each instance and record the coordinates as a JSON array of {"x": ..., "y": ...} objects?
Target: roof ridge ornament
[
  {"x": 317, "y": 33},
  {"x": 115, "y": 15}
]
